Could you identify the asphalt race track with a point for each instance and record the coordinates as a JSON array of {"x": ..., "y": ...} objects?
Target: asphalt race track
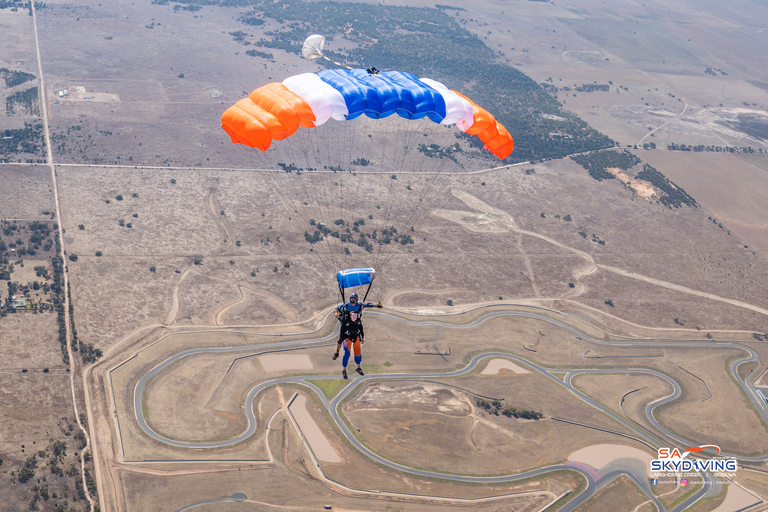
[{"x": 594, "y": 481}]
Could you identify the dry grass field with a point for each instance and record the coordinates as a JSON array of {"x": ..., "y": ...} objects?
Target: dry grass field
[
  {"x": 222, "y": 288},
  {"x": 29, "y": 341},
  {"x": 731, "y": 188},
  {"x": 609, "y": 389},
  {"x": 26, "y": 192},
  {"x": 437, "y": 428}
]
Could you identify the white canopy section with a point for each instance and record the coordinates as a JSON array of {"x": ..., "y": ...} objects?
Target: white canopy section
[
  {"x": 325, "y": 101},
  {"x": 457, "y": 109}
]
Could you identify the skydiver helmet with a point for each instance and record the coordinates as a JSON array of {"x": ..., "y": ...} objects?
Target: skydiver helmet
[{"x": 353, "y": 297}]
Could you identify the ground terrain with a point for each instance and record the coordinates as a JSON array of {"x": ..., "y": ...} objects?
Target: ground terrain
[{"x": 165, "y": 238}]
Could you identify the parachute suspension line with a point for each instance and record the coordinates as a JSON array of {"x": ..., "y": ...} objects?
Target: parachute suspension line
[
  {"x": 382, "y": 133},
  {"x": 306, "y": 191},
  {"x": 402, "y": 216},
  {"x": 265, "y": 176},
  {"x": 273, "y": 178},
  {"x": 307, "y": 145},
  {"x": 395, "y": 159},
  {"x": 439, "y": 195}
]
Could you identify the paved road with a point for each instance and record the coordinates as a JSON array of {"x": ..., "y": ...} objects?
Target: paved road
[{"x": 594, "y": 482}]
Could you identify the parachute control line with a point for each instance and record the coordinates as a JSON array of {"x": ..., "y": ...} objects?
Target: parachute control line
[{"x": 276, "y": 111}]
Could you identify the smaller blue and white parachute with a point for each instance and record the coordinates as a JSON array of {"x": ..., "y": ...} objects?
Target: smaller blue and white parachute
[{"x": 353, "y": 277}]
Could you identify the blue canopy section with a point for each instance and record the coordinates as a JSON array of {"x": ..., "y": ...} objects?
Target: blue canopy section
[
  {"x": 355, "y": 277},
  {"x": 391, "y": 92}
]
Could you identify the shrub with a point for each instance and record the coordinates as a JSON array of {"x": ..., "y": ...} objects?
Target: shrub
[{"x": 25, "y": 474}]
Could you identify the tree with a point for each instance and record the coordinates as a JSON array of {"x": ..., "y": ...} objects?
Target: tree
[
  {"x": 73, "y": 257},
  {"x": 25, "y": 474}
]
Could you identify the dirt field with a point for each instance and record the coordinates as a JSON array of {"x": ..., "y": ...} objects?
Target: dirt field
[
  {"x": 30, "y": 341},
  {"x": 31, "y": 183},
  {"x": 731, "y": 188},
  {"x": 609, "y": 389},
  {"x": 441, "y": 429},
  {"x": 501, "y": 366},
  {"x": 711, "y": 419},
  {"x": 222, "y": 288}
]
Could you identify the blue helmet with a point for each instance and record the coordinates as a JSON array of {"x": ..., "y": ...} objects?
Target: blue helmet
[{"x": 352, "y": 296}]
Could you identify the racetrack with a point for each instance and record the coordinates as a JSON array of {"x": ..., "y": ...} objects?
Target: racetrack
[{"x": 595, "y": 481}]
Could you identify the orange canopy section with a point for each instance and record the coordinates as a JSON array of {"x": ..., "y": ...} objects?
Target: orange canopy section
[
  {"x": 271, "y": 112},
  {"x": 496, "y": 138}
]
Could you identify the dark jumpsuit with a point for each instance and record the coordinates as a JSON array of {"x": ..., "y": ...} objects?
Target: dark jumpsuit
[
  {"x": 352, "y": 333},
  {"x": 343, "y": 310}
]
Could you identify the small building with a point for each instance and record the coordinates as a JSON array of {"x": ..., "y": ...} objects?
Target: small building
[
  {"x": 18, "y": 303},
  {"x": 61, "y": 94}
]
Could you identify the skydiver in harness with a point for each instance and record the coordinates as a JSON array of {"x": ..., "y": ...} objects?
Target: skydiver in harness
[
  {"x": 342, "y": 314},
  {"x": 352, "y": 331}
]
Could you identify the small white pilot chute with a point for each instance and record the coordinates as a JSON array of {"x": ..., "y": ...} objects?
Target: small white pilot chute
[{"x": 313, "y": 47}]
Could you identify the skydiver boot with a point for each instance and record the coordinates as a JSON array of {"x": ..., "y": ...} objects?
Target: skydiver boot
[
  {"x": 344, "y": 373},
  {"x": 360, "y": 371},
  {"x": 335, "y": 356}
]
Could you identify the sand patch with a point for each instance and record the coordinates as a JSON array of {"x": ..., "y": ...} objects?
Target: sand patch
[
  {"x": 317, "y": 441},
  {"x": 495, "y": 367},
  {"x": 640, "y": 187},
  {"x": 285, "y": 362},
  {"x": 491, "y": 220},
  {"x": 600, "y": 455},
  {"x": 736, "y": 499},
  {"x": 424, "y": 397}
]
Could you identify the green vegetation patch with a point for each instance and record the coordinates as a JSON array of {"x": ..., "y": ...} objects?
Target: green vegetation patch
[
  {"x": 23, "y": 103},
  {"x": 673, "y": 195},
  {"x": 495, "y": 407},
  {"x": 597, "y": 163},
  {"x": 14, "y": 78},
  {"x": 330, "y": 388},
  {"x": 27, "y": 140}
]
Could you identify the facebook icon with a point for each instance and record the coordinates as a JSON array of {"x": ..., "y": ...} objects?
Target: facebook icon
[{"x": 653, "y": 481}]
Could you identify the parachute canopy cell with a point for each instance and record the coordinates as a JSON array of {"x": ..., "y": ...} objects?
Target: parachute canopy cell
[
  {"x": 276, "y": 111},
  {"x": 355, "y": 277},
  {"x": 313, "y": 47}
]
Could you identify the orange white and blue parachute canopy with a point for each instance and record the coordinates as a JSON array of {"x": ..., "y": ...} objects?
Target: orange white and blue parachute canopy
[{"x": 276, "y": 111}]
